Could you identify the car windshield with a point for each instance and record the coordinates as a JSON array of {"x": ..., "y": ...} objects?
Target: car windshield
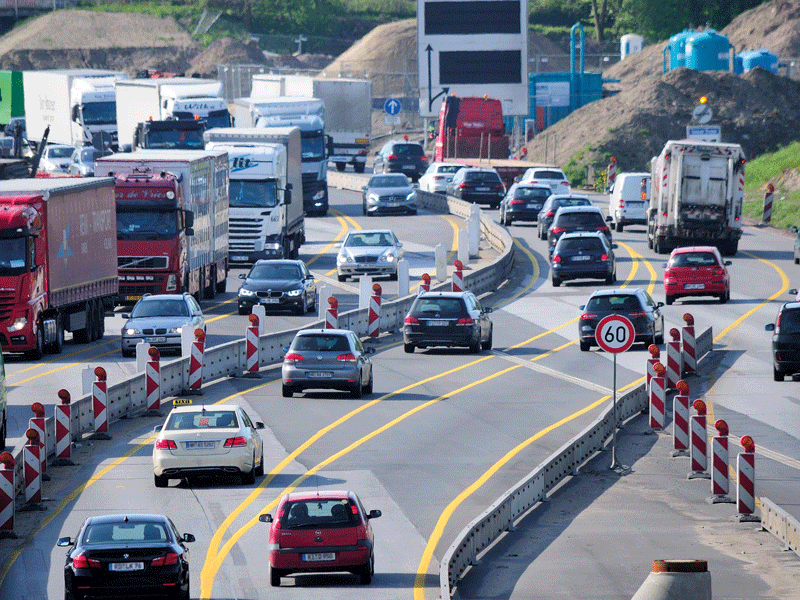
[
  {"x": 87, "y": 154},
  {"x": 270, "y": 271},
  {"x": 205, "y": 419},
  {"x": 389, "y": 181},
  {"x": 407, "y": 150},
  {"x": 322, "y": 343},
  {"x": 160, "y": 308},
  {"x": 440, "y": 307},
  {"x": 694, "y": 259},
  {"x": 65, "y": 152},
  {"x": 369, "y": 239},
  {"x": 580, "y": 245},
  {"x": 319, "y": 512},
  {"x": 613, "y": 303},
  {"x": 449, "y": 168},
  {"x": 105, "y": 533}
]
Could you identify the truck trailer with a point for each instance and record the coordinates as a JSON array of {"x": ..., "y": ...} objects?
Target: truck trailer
[
  {"x": 188, "y": 253},
  {"x": 266, "y": 183},
  {"x": 697, "y": 190},
  {"x": 58, "y": 262},
  {"x": 12, "y": 99}
]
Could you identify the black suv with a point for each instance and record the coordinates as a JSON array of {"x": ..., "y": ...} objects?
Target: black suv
[
  {"x": 473, "y": 184},
  {"x": 575, "y": 218},
  {"x": 786, "y": 341},
  {"x": 401, "y": 157},
  {"x": 447, "y": 319}
]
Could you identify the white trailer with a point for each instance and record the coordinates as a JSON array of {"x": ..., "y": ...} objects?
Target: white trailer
[
  {"x": 348, "y": 111},
  {"x": 697, "y": 190},
  {"x": 266, "y": 191}
]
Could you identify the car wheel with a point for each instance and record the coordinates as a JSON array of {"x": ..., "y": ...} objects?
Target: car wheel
[
  {"x": 368, "y": 388},
  {"x": 506, "y": 220},
  {"x": 777, "y": 375},
  {"x": 584, "y": 346},
  {"x": 300, "y": 309},
  {"x": 249, "y": 478},
  {"x": 357, "y": 390},
  {"x": 128, "y": 353},
  {"x": 723, "y": 298},
  {"x": 364, "y": 209},
  {"x": 619, "y": 226},
  {"x": 341, "y": 277},
  {"x": 393, "y": 276},
  {"x": 367, "y": 571},
  {"x": 408, "y": 348},
  {"x": 288, "y": 391},
  {"x": 475, "y": 345},
  {"x": 797, "y": 260},
  {"x": 260, "y": 468},
  {"x": 670, "y": 299},
  {"x": 243, "y": 310},
  {"x": 313, "y": 306},
  {"x": 340, "y": 166},
  {"x": 487, "y": 345},
  {"x": 556, "y": 282},
  {"x": 359, "y": 167},
  {"x": 161, "y": 481},
  {"x": 275, "y": 576},
  {"x": 610, "y": 278}
]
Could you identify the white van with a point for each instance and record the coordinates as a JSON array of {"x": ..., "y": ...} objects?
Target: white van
[{"x": 629, "y": 199}]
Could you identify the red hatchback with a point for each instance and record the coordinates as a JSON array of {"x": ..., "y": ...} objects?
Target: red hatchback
[
  {"x": 696, "y": 271},
  {"x": 320, "y": 531}
]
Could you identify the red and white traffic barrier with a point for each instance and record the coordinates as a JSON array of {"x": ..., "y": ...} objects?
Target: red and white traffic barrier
[
  {"x": 196, "y": 362},
  {"x": 100, "y": 403},
  {"x": 611, "y": 172},
  {"x": 746, "y": 478},
  {"x": 7, "y": 495},
  {"x": 719, "y": 464},
  {"x": 332, "y": 314},
  {"x": 689, "y": 345},
  {"x": 674, "y": 359},
  {"x": 657, "y": 397},
  {"x": 153, "y": 380},
  {"x": 425, "y": 286},
  {"x": 374, "y": 326},
  {"x": 63, "y": 429},
  {"x": 37, "y": 424},
  {"x": 766, "y": 217},
  {"x": 33, "y": 470},
  {"x": 251, "y": 368},
  {"x": 655, "y": 357},
  {"x": 680, "y": 420},
  {"x": 698, "y": 452},
  {"x": 458, "y": 276}
]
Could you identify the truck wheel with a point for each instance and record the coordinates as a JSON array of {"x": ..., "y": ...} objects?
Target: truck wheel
[
  {"x": 340, "y": 166},
  {"x": 58, "y": 345},
  {"x": 100, "y": 325},
  {"x": 38, "y": 351},
  {"x": 359, "y": 167},
  {"x": 210, "y": 289}
]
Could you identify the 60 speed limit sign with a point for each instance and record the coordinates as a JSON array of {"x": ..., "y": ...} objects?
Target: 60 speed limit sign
[{"x": 614, "y": 334}]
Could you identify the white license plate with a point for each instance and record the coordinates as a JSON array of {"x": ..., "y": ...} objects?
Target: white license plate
[
  {"x": 437, "y": 323},
  {"x": 200, "y": 445},
  {"x": 578, "y": 258},
  {"x": 695, "y": 286},
  {"x": 270, "y": 300},
  {"x": 126, "y": 566},
  {"x": 238, "y": 258},
  {"x": 319, "y": 556},
  {"x": 392, "y": 204},
  {"x": 318, "y": 374},
  {"x": 482, "y": 189},
  {"x": 535, "y": 206},
  {"x": 155, "y": 340},
  {"x": 408, "y": 167}
]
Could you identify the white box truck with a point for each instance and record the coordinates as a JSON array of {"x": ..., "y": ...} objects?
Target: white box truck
[
  {"x": 79, "y": 105},
  {"x": 308, "y": 114},
  {"x": 266, "y": 183},
  {"x": 696, "y": 196},
  {"x": 348, "y": 111}
]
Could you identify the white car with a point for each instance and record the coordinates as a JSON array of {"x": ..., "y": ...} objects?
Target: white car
[
  {"x": 438, "y": 175},
  {"x": 629, "y": 199},
  {"x": 56, "y": 158},
  {"x": 550, "y": 176},
  {"x": 213, "y": 439},
  {"x": 369, "y": 252}
]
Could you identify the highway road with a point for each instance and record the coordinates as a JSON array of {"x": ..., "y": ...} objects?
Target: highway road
[{"x": 443, "y": 435}]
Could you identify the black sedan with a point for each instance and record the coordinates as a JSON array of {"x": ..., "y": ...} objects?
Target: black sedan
[
  {"x": 583, "y": 256},
  {"x": 523, "y": 202},
  {"x": 786, "y": 341},
  {"x": 391, "y": 193},
  {"x": 278, "y": 284},
  {"x": 634, "y": 303},
  {"x": 478, "y": 185},
  {"x": 447, "y": 319},
  {"x": 121, "y": 555}
]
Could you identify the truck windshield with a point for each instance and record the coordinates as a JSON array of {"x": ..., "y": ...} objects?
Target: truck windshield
[
  {"x": 218, "y": 118},
  {"x": 163, "y": 140},
  {"x": 313, "y": 148},
  {"x": 12, "y": 255},
  {"x": 151, "y": 225},
  {"x": 99, "y": 113},
  {"x": 253, "y": 194}
]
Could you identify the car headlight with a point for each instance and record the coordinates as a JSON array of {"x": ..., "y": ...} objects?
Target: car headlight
[
  {"x": 342, "y": 258},
  {"x": 18, "y": 324},
  {"x": 294, "y": 293},
  {"x": 411, "y": 197},
  {"x": 131, "y": 331},
  {"x": 373, "y": 198},
  {"x": 389, "y": 257},
  {"x": 272, "y": 246},
  {"x": 245, "y": 292},
  {"x": 178, "y": 329}
]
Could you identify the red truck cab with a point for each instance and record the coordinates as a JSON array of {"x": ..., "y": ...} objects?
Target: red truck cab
[{"x": 471, "y": 128}]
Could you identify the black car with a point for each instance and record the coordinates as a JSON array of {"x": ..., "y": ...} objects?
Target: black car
[
  {"x": 523, "y": 202},
  {"x": 575, "y": 218},
  {"x": 551, "y": 205},
  {"x": 477, "y": 185},
  {"x": 447, "y": 319},
  {"x": 401, "y": 156},
  {"x": 583, "y": 256},
  {"x": 278, "y": 284},
  {"x": 634, "y": 303},
  {"x": 786, "y": 341},
  {"x": 121, "y": 555}
]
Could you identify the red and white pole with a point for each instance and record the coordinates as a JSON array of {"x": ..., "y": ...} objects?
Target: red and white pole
[
  {"x": 33, "y": 473},
  {"x": 332, "y": 314},
  {"x": 746, "y": 478},
  {"x": 100, "y": 403},
  {"x": 680, "y": 420},
  {"x": 674, "y": 359},
  {"x": 767, "y": 215},
  {"x": 251, "y": 368},
  {"x": 689, "y": 345},
  {"x": 7, "y": 495},
  {"x": 611, "y": 172},
  {"x": 63, "y": 429},
  {"x": 153, "y": 375},
  {"x": 655, "y": 357},
  {"x": 698, "y": 453},
  {"x": 374, "y": 326},
  {"x": 425, "y": 286},
  {"x": 458, "y": 276},
  {"x": 657, "y": 397},
  {"x": 719, "y": 463},
  {"x": 196, "y": 362},
  {"x": 37, "y": 424}
]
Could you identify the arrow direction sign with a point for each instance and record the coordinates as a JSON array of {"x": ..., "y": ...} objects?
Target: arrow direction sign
[{"x": 392, "y": 106}]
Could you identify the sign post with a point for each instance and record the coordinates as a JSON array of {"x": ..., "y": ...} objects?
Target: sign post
[{"x": 614, "y": 334}]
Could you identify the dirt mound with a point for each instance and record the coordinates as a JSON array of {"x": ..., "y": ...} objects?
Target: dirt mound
[{"x": 225, "y": 51}]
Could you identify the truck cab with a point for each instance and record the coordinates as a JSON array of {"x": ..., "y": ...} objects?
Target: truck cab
[
  {"x": 186, "y": 134},
  {"x": 187, "y": 99},
  {"x": 94, "y": 111}
]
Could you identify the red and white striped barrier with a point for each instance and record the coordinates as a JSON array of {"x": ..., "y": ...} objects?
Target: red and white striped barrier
[
  {"x": 766, "y": 217},
  {"x": 37, "y": 424},
  {"x": 63, "y": 429},
  {"x": 100, "y": 403},
  {"x": 153, "y": 380},
  {"x": 374, "y": 326},
  {"x": 674, "y": 359},
  {"x": 698, "y": 451},
  {"x": 680, "y": 420},
  {"x": 7, "y": 495},
  {"x": 746, "y": 479},
  {"x": 719, "y": 464},
  {"x": 458, "y": 276},
  {"x": 425, "y": 286},
  {"x": 332, "y": 314},
  {"x": 252, "y": 347},
  {"x": 33, "y": 472},
  {"x": 196, "y": 362},
  {"x": 655, "y": 357},
  {"x": 611, "y": 172},
  {"x": 657, "y": 398},
  {"x": 689, "y": 345}
]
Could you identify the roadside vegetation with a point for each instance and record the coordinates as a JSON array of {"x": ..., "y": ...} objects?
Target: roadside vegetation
[{"x": 766, "y": 169}]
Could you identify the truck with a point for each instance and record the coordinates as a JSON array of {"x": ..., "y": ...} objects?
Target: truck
[
  {"x": 169, "y": 99},
  {"x": 266, "y": 218},
  {"x": 58, "y": 262},
  {"x": 172, "y": 224},
  {"x": 12, "y": 99},
  {"x": 348, "y": 111},
  {"x": 186, "y": 134},
  {"x": 697, "y": 190},
  {"x": 79, "y": 105},
  {"x": 308, "y": 114}
]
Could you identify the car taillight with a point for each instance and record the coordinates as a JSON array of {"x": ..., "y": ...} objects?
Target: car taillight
[
  {"x": 534, "y": 181},
  {"x": 550, "y": 214},
  {"x": 362, "y": 544},
  {"x": 719, "y": 271},
  {"x": 516, "y": 201},
  {"x": 439, "y": 177},
  {"x": 235, "y": 442},
  {"x": 82, "y": 562},
  {"x": 603, "y": 228},
  {"x": 293, "y": 356},
  {"x": 392, "y": 157},
  {"x": 348, "y": 357},
  {"x": 778, "y": 324},
  {"x": 557, "y": 258},
  {"x": 557, "y": 229},
  {"x": 604, "y": 257},
  {"x": 465, "y": 321},
  {"x": 587, "y": 316},
  {"x": 621, "y": 203},
  {"x": 463, "y": 184},
  {"x": 637, "y": 314},
  {"x": 166, "y": 445},
  {"x": 498, "y": 186},
  {"x": 566, "y": 183},
  {"x": 161, "y": 561},
  {"x": 411, "y": 321},
  {"x": 423, "y": 158}
]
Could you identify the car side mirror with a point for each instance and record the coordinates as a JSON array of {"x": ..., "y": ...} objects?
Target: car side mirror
[
  {"x": 768, "y": 327},
  {"x": 399, "y": 244},
  {"x": 793, "y": 292},
  {"x": 659, "y": 304},
  {"x": 794, "y": 229},
  {"x": 189, "y": 231},
  {"x": 728, "y": 263},
  {"x": 337, "y": 245},
  {"x": 364, "y": 188},
  {"x": 259, "y": 425},
  {"x": 369, "y": 350},
  {"x": 374, "y": 514},
  {"x": 64, "y": 541},
  {"x": 158, "y": 428},
  {"x": 266, "y": 518},
  {"x": 614, "y": 246},
  {"x": 126, "y": 315},
  {"x": 188, "y": 216},
  {"x": 581, "y": 307},
  {"x": 609, "y": 218},
  {"x": 664, "y": 265},
  {"x": 242, "y": 275},
  {"x": 488, "y": 309},
  {"x": 188, "y": 537}
]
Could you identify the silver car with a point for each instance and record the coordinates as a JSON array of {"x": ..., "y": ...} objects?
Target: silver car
[
  {"x": 159, "y": 320},
  {"x": 390, "y": 193},
  {"x": 369, "y": 252},
  {"x": 332, "y": 359}
]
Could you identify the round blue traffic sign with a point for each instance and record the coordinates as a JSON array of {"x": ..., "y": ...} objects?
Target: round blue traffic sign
[{"x": 392, "y": 106}]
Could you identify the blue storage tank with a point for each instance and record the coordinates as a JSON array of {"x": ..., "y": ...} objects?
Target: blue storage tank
[
  {"x": 550, "y": 97},
  {"x": 677, "y": 50},
  {"x": 758, "y": 58},
  {"x": 708, "y": 51}
]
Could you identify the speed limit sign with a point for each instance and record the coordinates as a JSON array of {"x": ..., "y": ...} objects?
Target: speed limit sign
[{"x": 614, "y": 334}]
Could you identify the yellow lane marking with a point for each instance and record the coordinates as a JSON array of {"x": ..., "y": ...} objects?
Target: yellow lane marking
[
  {"x": 62, "y": 367},
  {"x": 51, "y": 361}
]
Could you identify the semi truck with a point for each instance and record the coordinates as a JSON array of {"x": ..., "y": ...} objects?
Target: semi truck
[
  {"x": 169, "y": 99},
  {"x": 170, "y": 238},
  {"x": 12, "y": 99},
  {"x": 79, "y": 105},
  {"x": 697, "y": 190},
  {"x": 186, "y": 134},
  {"x": 266, "y": 183},
  {"x": 348, "y": 111},
  {"x": 308, "y": 114},
  {"x": 58, "y": 262}
]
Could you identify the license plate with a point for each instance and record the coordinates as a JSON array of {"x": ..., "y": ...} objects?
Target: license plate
[
  {"x": 392, "y": 204},
  {"x": 407, "y": 167},
  {"x": 535, "y": 206},
  {"x": 270, "y": 300},
  {"x": 437, "y": 323},
  {"x": 695, "y": 286},
  {"x": 319, "y": 556},
  {"x": 238, "y": 258},
  {"x": 201, "y": 445},
  {"x": 155, "y": 340},
  {"x": 581, "y": 258},
  {"x": 318, "y": 374},
  {"x": 133, "y": 298},
  {"x": 126, "y": 566},
  {"x": 482, "y": 189}
]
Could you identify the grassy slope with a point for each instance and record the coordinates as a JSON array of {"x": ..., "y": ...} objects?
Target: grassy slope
[{"x": 762, "y": 170}]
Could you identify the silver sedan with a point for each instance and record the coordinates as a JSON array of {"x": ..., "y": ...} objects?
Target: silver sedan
[
  {"x": 369, "y": 252},
  {"x": 389, "y": 194}
]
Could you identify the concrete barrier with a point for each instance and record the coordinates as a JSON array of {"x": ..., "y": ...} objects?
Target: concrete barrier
[{"x": 780, "y": 524}]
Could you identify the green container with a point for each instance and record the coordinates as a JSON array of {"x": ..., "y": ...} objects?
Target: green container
[{"x": 11, "y": 99}]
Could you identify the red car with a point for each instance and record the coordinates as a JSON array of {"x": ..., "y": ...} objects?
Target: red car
[
  {"x": 696, "y": 271},
  {"x": 320, "y": 531}
]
